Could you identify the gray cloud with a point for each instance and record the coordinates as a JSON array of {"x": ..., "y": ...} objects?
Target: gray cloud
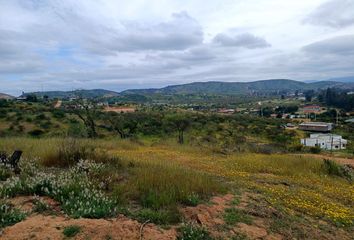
[
  {"x": 333, "y": 13},
  {"x": 245, "y": 40},
  {"x": 86, "y": 43},
  {"x": 178, "y": 34},
  {"x": 342, "y": 45}
]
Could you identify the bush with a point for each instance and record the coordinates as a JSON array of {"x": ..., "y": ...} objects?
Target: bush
[
  {"x": 192, "y": 232},
  {"x": 71, "y": 231},
  {"x": 36, "y": 133},
  {"x": 9, "y": 215},
  {"x": 315, "y": 150},
  {"x": 69, "y": 152},
  {"x": 5, "y": 173},
  {"x": 334, "y": 169},
  {"x": 59, "y": 114},
  {"x": 72, "y": 189},
  {"x": 40, "y": 206}
]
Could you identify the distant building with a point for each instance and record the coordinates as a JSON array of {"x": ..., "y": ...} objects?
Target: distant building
[
  {"x": 226, "y": 111},
  {"x": 21, "y": 98},
  {"x": 325, "y": 141},
  {"x": 350, "y": 120},
  {"x": 311, "y": 109},
  {"x": 120, "y": 109},
  {"x": 316, "y": 126},
  {"x": 290, "y": 126}
]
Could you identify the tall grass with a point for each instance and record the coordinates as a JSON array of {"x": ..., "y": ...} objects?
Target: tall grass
[
  {"x": 51, "y": 150},
  {"x": 157, "y": 186}
]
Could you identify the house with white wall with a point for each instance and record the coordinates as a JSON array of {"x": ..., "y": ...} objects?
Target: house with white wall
[{"x": 325, "y": 141}]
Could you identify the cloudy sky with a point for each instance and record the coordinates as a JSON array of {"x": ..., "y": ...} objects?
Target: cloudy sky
[{"x": 116, "y": 44}]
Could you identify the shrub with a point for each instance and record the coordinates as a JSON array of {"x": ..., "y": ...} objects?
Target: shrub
[
  {"x": 9, "y": 215},
  {"x": 36, "y": 133},
  {"x": 59, "y": 114},
  {"x": 68, "y": 153},
  {"x": 5, "y": 173},
  {"x": 77, "y": 195},
  {"x": 315, "y": 150},
  {"x": 193, "y": 232},
  {"x": 40, "y": 206},
  {"x": 334, "y": 169},
  {"x": 71, "y": 231}
]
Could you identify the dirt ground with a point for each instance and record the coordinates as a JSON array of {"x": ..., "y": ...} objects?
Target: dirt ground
[{"x": 208, "y": 215}]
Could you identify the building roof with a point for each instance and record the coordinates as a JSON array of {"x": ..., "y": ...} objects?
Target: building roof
[{"x": 322, "y": 124}]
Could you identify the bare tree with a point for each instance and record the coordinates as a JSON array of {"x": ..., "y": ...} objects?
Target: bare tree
[{"x": 87, "y": 111}]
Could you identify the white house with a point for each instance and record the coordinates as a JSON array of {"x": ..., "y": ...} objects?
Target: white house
[{"x": 325, "y": 141}]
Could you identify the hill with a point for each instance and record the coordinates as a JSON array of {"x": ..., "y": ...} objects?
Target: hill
[
  {"x": 212, "y": 88},
  {"x": 349, "y": 79},
  {"x": 93, "y": 93},
  {"x": 6, "y": 96},
  {"x": 262, "y": 86}
]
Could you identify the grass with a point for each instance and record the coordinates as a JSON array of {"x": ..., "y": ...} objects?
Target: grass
[
  {"x": 234, "y": 215},
  {"x": 71, "y": 231}
]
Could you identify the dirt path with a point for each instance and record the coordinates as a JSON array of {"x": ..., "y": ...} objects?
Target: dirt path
[{"x": 340, "y": 160}]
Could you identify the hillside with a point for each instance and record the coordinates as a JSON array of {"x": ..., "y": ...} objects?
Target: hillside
[
  {"x": 5, "y": 96},
  {"x": 212, "y": 88},
  {"x": 263, "y": 86},
  {"x": 92, "y": 93},
  {"x": 349, "y": 79}
]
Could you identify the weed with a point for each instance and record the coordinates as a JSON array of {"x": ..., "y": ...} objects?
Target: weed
[
  {"x": 9, "y": 215},
  {"x": 334, "y": 169},
  {"x": 5, "y": 173},
  {"x": 234, "y": 215},
  {"x": 239, "y": 236},
  {"x": 40, "y": 206},
  {"x": 71, "y": 231},
  {"x": 192, "y": 200},
  {"x": 162, "y": 216},
  {"x": 193, "y": 232}
]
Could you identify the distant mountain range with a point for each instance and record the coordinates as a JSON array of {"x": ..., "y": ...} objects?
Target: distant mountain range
[
  {"x": 92, "y": 93},
  {"x": 263, "y": 86},
  {"x": 215, "y": 88},
  {"x": 349, "y": 79},
  {"x": 5, "y": 96}
]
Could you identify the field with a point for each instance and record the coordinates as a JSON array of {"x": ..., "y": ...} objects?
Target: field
[{"x": 171, "y": 190}]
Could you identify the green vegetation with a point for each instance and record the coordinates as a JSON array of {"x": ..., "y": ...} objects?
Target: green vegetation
[
  {"x": 71, "y": 231},
  {"x": 9, "y": 215},
  {"x": 193, "y": 232},
  {"x": 150, "y": 164},
  {"x": 234, "y": 215}
]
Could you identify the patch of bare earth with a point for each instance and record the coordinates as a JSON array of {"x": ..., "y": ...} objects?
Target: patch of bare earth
[
  {"x": 44, "y": 227},
  {"x": 51, "y": 227}
]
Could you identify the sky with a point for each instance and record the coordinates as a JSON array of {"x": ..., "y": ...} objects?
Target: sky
[{"x": 115, "y": 44}]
